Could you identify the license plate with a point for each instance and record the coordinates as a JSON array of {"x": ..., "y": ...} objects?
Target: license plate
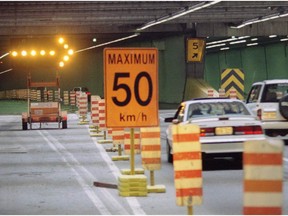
[
  {"x": 224, "y": 130},
  {"x": 269, "y": 115}
]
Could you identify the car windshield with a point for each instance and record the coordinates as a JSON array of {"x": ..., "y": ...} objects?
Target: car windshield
[
  {"x": 274, "y": 92},
  {"x": 210, "y": 109}
]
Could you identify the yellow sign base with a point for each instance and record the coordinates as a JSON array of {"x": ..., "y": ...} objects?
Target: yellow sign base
[
  {"x": 128, "y": 171},
  {"x": 156, "y": 189}
]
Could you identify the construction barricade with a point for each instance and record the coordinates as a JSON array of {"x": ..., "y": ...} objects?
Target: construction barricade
[
  {"x": 118, "y": 140},
  {"x": 210, "y": 93},
  {"x": 263, "y": 177},
  {"x": 151, "y": 155},
  {"x": 187, "y": 161},
  {"x": 94, "y": 130},
  {"x": 102, "y": 122},
  {"x": 135, "y": 137},
  {"x": 66, "y": 97},
  {"x": 83, "y": 108}
]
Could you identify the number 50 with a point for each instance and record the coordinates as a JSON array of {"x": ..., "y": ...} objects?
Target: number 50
[{"x": 118, "y": 85}]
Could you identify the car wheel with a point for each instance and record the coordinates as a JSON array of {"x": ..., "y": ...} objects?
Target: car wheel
[
  {"x": 283, "y": 106},
  {"x": 24, "y": 125},
  {"x": 64, "y": 124},
  {"x": 169, "y": 155}
]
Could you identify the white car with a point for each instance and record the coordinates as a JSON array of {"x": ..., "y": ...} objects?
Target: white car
[
  {"x": 268, "y": 100},
  {"x": 224, "y": 125}
]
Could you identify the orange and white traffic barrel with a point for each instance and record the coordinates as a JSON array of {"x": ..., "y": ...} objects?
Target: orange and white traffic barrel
[
  {"x": 210, "y": 93},
  {"x": 127, "y": 141},
  {"x": 72, "y": 98},
  {"x": 233, "y": 93},
  {"x": 118, "y": 140},
  {"x": 263, "y": 177},
  {"x": 187, "y": 162},
  {"x": 151, "y": 155},
  {"x": 102, "y": 116},
  {"x": 151, "y": 148},
  {"x": 83, "y": 107},
  {"x": 95, "y": 110},
  {"x": 222, "y": 92},
  {"x": 66, "y": 97}
]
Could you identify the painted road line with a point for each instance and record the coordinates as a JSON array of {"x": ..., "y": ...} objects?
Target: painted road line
[
  {"x": 96, "y": 200},
  {"x": 132, "y": 201}
]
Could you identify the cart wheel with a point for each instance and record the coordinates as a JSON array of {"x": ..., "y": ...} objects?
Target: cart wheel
[
  {"x": 24, "y": 125},
  {"x": 64, "y": 124}
]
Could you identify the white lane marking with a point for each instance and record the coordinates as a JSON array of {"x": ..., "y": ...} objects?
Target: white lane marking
[
  {"x": 114, "y": 203},
  {"x": 132, "y": 201},
  {"x": 61, "y": 150}
]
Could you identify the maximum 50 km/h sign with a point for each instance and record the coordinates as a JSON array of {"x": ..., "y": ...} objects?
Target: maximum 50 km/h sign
[{"x": 131, "y": 87}]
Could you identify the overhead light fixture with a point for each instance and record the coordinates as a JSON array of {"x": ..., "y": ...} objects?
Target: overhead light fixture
[
  {"x": 260, "y": 19},
  {"x": 107, "y": 43},
  {"x": 225, "y": 48},
  {"x": 254, "y": 39},
  {"x": 252, "y": 44},
  {"x": 236, "y": 42},
  {"x": 216, "y": 45},
  {"x": 272, "y": 36},
  {"x": 178, "y": 14},
  {"x": 6, "y": 54},
  {"x": 284, "y": 39}
]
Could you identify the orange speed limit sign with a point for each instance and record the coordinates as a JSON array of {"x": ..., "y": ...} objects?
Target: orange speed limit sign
[{"x": 131, "y": 87}]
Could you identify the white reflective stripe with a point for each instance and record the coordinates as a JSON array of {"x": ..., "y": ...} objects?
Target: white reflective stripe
[
  {"x": 263, "y": 199},
  {"x": 188, "y": 183},
  {"x": 263, "y": 146},
  {"x": 267, "y": 172},
  {"x": 187, "y": 165}
]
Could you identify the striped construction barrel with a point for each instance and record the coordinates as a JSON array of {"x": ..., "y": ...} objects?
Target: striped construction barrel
[
  {"x": 127, "y": 141},
  {"x": 95, "y": 110},
  {"x": 263, "y": 177},
  {"x": 72, "y": 98},
  {"x": 83, "y": 105},
  {"x": 187, "y": 161},
  {"x": 150, "y": 148},
  {"x": 66, "y": 97},
  {"x": 102, "y": 116}
]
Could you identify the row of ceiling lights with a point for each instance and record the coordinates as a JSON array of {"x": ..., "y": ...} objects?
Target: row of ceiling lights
[{"x": 247, "y": 41}]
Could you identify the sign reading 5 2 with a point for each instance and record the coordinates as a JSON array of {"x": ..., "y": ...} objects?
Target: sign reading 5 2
[{"x": 131, "y": 87}]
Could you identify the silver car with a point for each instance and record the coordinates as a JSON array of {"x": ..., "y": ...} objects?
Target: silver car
[{"x": 224, "y": 125}]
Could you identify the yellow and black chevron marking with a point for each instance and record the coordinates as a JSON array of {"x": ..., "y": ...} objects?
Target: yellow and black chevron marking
[{"x": 233, "y": 78}]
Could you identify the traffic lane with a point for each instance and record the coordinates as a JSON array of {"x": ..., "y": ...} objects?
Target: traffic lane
[
  {"x": 227, "y": 185},
  {"x": 223, "y": 202},
  {"x": 51, "y": 171}
]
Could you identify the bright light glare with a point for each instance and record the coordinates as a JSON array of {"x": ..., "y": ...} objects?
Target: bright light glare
[
  {"x": 24, "y": 53},
  {"x": 70, "y": 52},
  {"x": 66, "y": 46},
  {"x": 33, "y": 52},
  {"x": 52, "y": 52},
  {"x": 14, "y": 53},
  {"x": 66, "y": 58},
  {"x": 42, "y": 52},
  {"x": 61, "y": 64},
  {"x": 61, "y": 40}
]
